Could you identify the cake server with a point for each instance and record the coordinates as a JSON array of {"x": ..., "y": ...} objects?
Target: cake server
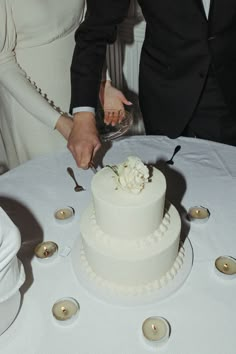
[{"x": 93, "y": 168}]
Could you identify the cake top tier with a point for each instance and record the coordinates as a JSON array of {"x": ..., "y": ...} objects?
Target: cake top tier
[
  {"x": 129, "y": 183},
  {"x": 122, "y": 211}
]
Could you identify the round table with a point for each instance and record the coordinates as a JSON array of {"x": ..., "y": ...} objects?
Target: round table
[{"x": 201, "y": 313}]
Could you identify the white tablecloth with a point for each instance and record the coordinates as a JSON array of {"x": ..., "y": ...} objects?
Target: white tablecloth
[{"x": 202, "y": 313}]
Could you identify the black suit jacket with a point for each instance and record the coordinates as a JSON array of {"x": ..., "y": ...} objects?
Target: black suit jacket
[{"x": 179, "y": 45}]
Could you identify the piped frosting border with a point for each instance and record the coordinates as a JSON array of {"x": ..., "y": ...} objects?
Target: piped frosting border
[{"x": 115, "y": 288}]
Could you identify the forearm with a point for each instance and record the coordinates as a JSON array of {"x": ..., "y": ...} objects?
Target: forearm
[
  {"x": 92, "y": 37},
  {"x": 105, "y": 73},
  {"x": 64, "y": 126},
  {"x": 14, "y": 80}
]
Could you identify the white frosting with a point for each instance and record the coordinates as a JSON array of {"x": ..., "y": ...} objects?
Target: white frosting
[
  {"x": 131, "y": 262},
  {"x": 130, "y": 290},
  {"x": 127, "y": 245},
  {"x": 130, "y": 245},
  {"x": 125, "y": 215}
]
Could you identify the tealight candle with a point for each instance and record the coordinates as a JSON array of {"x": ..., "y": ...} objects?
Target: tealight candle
[
  {"x": 226, "y": 267},
  {"x": 65, "y": 309},
  {"x": 46, "y": 250},
  {"x": 198, "y": 214},
  {"x": 156, "y": 330},
  {"x": 64, "y": 215}
]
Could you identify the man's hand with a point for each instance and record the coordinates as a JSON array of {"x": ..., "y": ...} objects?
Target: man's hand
[
  {"x": 84, "y": 141},
  {"x": 113, "y": 101}
]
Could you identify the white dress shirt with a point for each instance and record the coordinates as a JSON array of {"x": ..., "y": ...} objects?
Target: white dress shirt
[{"x": 206, "y": 4}]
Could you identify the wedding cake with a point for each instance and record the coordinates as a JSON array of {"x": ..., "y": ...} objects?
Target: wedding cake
[{"x": 130, "y": 234}]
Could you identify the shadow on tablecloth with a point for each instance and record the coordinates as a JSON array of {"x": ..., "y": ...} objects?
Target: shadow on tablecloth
[
  {"x": 31, "y": 234},
  {"x": 176, "y": 188}
]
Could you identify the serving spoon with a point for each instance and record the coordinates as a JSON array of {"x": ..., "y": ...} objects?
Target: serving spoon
[
  {"x": 77, "y": 188},
  {"x": 170, "y": 161}
]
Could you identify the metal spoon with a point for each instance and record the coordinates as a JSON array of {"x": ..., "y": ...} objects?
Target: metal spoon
[
  {"x": 77, "y": 188},
  {"x": 170, "y": 161}
]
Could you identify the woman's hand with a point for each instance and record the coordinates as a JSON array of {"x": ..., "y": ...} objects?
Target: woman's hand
[
  {"x": 113, "y": 101},
  {"x": 64, "y": 126}
]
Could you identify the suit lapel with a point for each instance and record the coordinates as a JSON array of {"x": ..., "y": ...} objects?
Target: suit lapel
[
  {"x": 211, "y": 9},
  {"x": 201, "y": 7}
]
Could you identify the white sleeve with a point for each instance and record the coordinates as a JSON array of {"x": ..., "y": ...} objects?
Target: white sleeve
[{"x": 13, "y": 78}]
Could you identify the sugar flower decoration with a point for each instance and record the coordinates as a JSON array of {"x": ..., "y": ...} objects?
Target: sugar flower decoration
[{"x": 131, "y": 175}]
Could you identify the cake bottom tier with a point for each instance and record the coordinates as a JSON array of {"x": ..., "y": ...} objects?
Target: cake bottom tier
[{"x": 129, "y": 266}]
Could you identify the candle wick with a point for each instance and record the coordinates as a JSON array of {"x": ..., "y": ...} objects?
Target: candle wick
[
  {"x": 154, "y": 328},
  {"x": 226, "y": 266},
  {"x": 46, "y": 252},
  {"x": 64, "y": 310}
]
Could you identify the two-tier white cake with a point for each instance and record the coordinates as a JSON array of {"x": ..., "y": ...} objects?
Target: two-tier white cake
[{"x": 130, "y": 235}]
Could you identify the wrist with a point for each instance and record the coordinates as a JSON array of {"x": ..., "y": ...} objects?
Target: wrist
[
  {"x": 78, "y": 116},
  {"x": 64, "y": 126},
  {"x": 84, "y": 119},
  {"x": 107, "y": 83}
]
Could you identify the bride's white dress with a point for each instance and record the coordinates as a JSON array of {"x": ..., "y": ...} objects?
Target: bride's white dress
[{"x": 36, "y": 42}]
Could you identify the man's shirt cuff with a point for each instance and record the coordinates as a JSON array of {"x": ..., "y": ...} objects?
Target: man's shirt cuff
[{"x": 83, "y": 109}]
